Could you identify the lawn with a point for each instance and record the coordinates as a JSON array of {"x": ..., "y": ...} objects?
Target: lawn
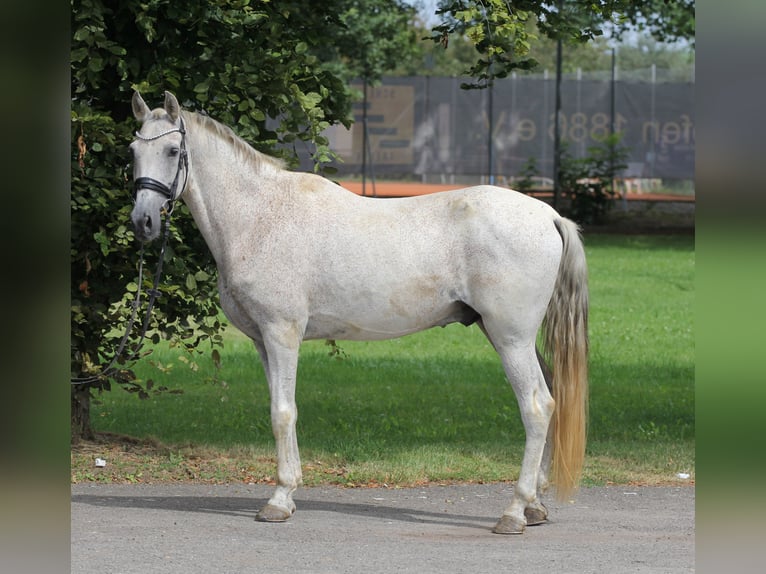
[{"x": 430, "y": 407}]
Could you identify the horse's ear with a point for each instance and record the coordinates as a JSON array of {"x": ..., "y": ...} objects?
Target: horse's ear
[
  {"x": 171, "y": 106},
  {"x": 140, "y": 109}
]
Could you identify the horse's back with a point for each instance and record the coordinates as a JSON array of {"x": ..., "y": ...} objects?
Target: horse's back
[
  {"x": 427, "y": 231},
  {"x": 482, "y": 206}
]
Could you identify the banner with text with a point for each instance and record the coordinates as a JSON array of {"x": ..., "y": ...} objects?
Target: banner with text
[{"x": 428, "y": 127}]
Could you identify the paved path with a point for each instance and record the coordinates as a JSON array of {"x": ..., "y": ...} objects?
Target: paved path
[{"x": 187, "y": 528}]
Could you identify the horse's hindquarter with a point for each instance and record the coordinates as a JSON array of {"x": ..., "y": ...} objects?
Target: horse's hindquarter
[{"x": 385, "y": 268}]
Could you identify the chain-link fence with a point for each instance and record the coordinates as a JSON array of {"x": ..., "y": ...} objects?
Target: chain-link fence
[{"x": 429, "y": 129}]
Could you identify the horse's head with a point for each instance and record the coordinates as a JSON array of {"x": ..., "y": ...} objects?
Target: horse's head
[{"x": 160, "y": 164}]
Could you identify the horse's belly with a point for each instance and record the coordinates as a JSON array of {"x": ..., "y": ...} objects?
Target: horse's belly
[{"x": 386, "y": 323}]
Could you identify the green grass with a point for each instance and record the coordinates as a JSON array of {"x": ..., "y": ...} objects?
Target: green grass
[{"x": 435, "y": 406}]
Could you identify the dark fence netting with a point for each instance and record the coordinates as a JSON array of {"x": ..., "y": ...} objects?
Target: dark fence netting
[{"x": 429, "y": 129}]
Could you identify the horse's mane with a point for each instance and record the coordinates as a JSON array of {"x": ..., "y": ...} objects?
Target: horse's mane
[{"x": 259, "y": 161}]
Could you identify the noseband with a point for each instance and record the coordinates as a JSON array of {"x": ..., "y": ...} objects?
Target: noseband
[{"x": 153, "y": 184}]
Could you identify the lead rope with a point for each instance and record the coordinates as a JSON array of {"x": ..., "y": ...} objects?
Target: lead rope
[{"x": 153, "y": 293}]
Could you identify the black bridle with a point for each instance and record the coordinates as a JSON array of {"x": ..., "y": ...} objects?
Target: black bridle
[
  {"x": 158, "y": 186},
  {"x": 154, "y": 292}
]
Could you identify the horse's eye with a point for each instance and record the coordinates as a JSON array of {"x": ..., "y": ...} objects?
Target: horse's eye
[{"x": 172, "y": 152}]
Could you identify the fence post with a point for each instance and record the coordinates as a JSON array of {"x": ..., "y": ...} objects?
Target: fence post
[
  {"x": 490, "y": 143},
  {"x": 557, "y": 130},
  {"x": 364, "y": 137}
]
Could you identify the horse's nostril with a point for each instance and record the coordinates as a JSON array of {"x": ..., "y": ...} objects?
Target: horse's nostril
[{"x": 148, "y": 223}]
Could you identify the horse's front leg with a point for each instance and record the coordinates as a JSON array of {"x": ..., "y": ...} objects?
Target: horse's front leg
[{"x": 280, "y": 351}]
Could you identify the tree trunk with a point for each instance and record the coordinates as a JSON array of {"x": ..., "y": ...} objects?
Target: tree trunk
[{"x": 80, "y": 414}]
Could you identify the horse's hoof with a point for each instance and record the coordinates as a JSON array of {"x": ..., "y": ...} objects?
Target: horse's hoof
[
  {"x": 271, "y": 513},
  {"x": 535, "y": 515},
  {"x": 508, "y": 525}
]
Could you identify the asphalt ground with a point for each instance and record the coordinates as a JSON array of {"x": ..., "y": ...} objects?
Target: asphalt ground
[{"x": 190, "y": 528}]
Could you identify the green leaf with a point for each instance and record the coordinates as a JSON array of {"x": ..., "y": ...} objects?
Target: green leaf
[
  {"x": 95, "y": 64},
  {"x": 78, "y": 54},
  {"x": 117, "y": 50},
  {"x": 103, "y": 241}
]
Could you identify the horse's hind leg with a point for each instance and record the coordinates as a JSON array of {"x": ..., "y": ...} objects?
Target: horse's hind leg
[
  {"x": 536, "y": 513},
  {"x": 280, "y": 354},
  {"x": 545, "y": 465},
  {"x": 536, "y": 407}
]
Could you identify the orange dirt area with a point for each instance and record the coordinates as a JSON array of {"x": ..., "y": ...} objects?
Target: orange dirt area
[
  {"x": 409, "y": 189},
  {"x": 397, "y": 188}
]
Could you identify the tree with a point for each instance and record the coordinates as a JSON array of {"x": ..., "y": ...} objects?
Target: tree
[
  {"x": 640, "y": 53},
  {"x": 255, "y": 67},
  {"x": 431, "y": 59},
  {"x": 374, "y": 36},
  {"x": 502, "y": 36},
  {"x": 665, "y": 20}
]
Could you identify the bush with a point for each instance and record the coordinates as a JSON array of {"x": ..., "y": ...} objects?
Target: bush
[
  {"x": 588, "y": 181},
  {"x": 105, "y": 255}
]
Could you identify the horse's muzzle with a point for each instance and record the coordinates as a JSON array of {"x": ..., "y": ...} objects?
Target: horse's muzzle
[
  {"x": 147, "y": 215},
  {"x": 146, "y": 224},
  {"x": 145, "y": 227}
]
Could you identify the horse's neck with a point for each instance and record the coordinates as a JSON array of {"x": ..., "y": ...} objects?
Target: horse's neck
[{"x": 221, "y": 195}]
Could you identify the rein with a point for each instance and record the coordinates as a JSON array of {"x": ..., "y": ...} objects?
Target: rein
[{"x": 153, "y": 292}]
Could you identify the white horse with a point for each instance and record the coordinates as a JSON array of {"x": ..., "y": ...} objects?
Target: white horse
[{"x": 299, "y": 257}]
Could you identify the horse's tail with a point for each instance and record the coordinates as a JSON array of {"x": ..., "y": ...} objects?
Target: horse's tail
[{"x": 565, "y": 345}]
